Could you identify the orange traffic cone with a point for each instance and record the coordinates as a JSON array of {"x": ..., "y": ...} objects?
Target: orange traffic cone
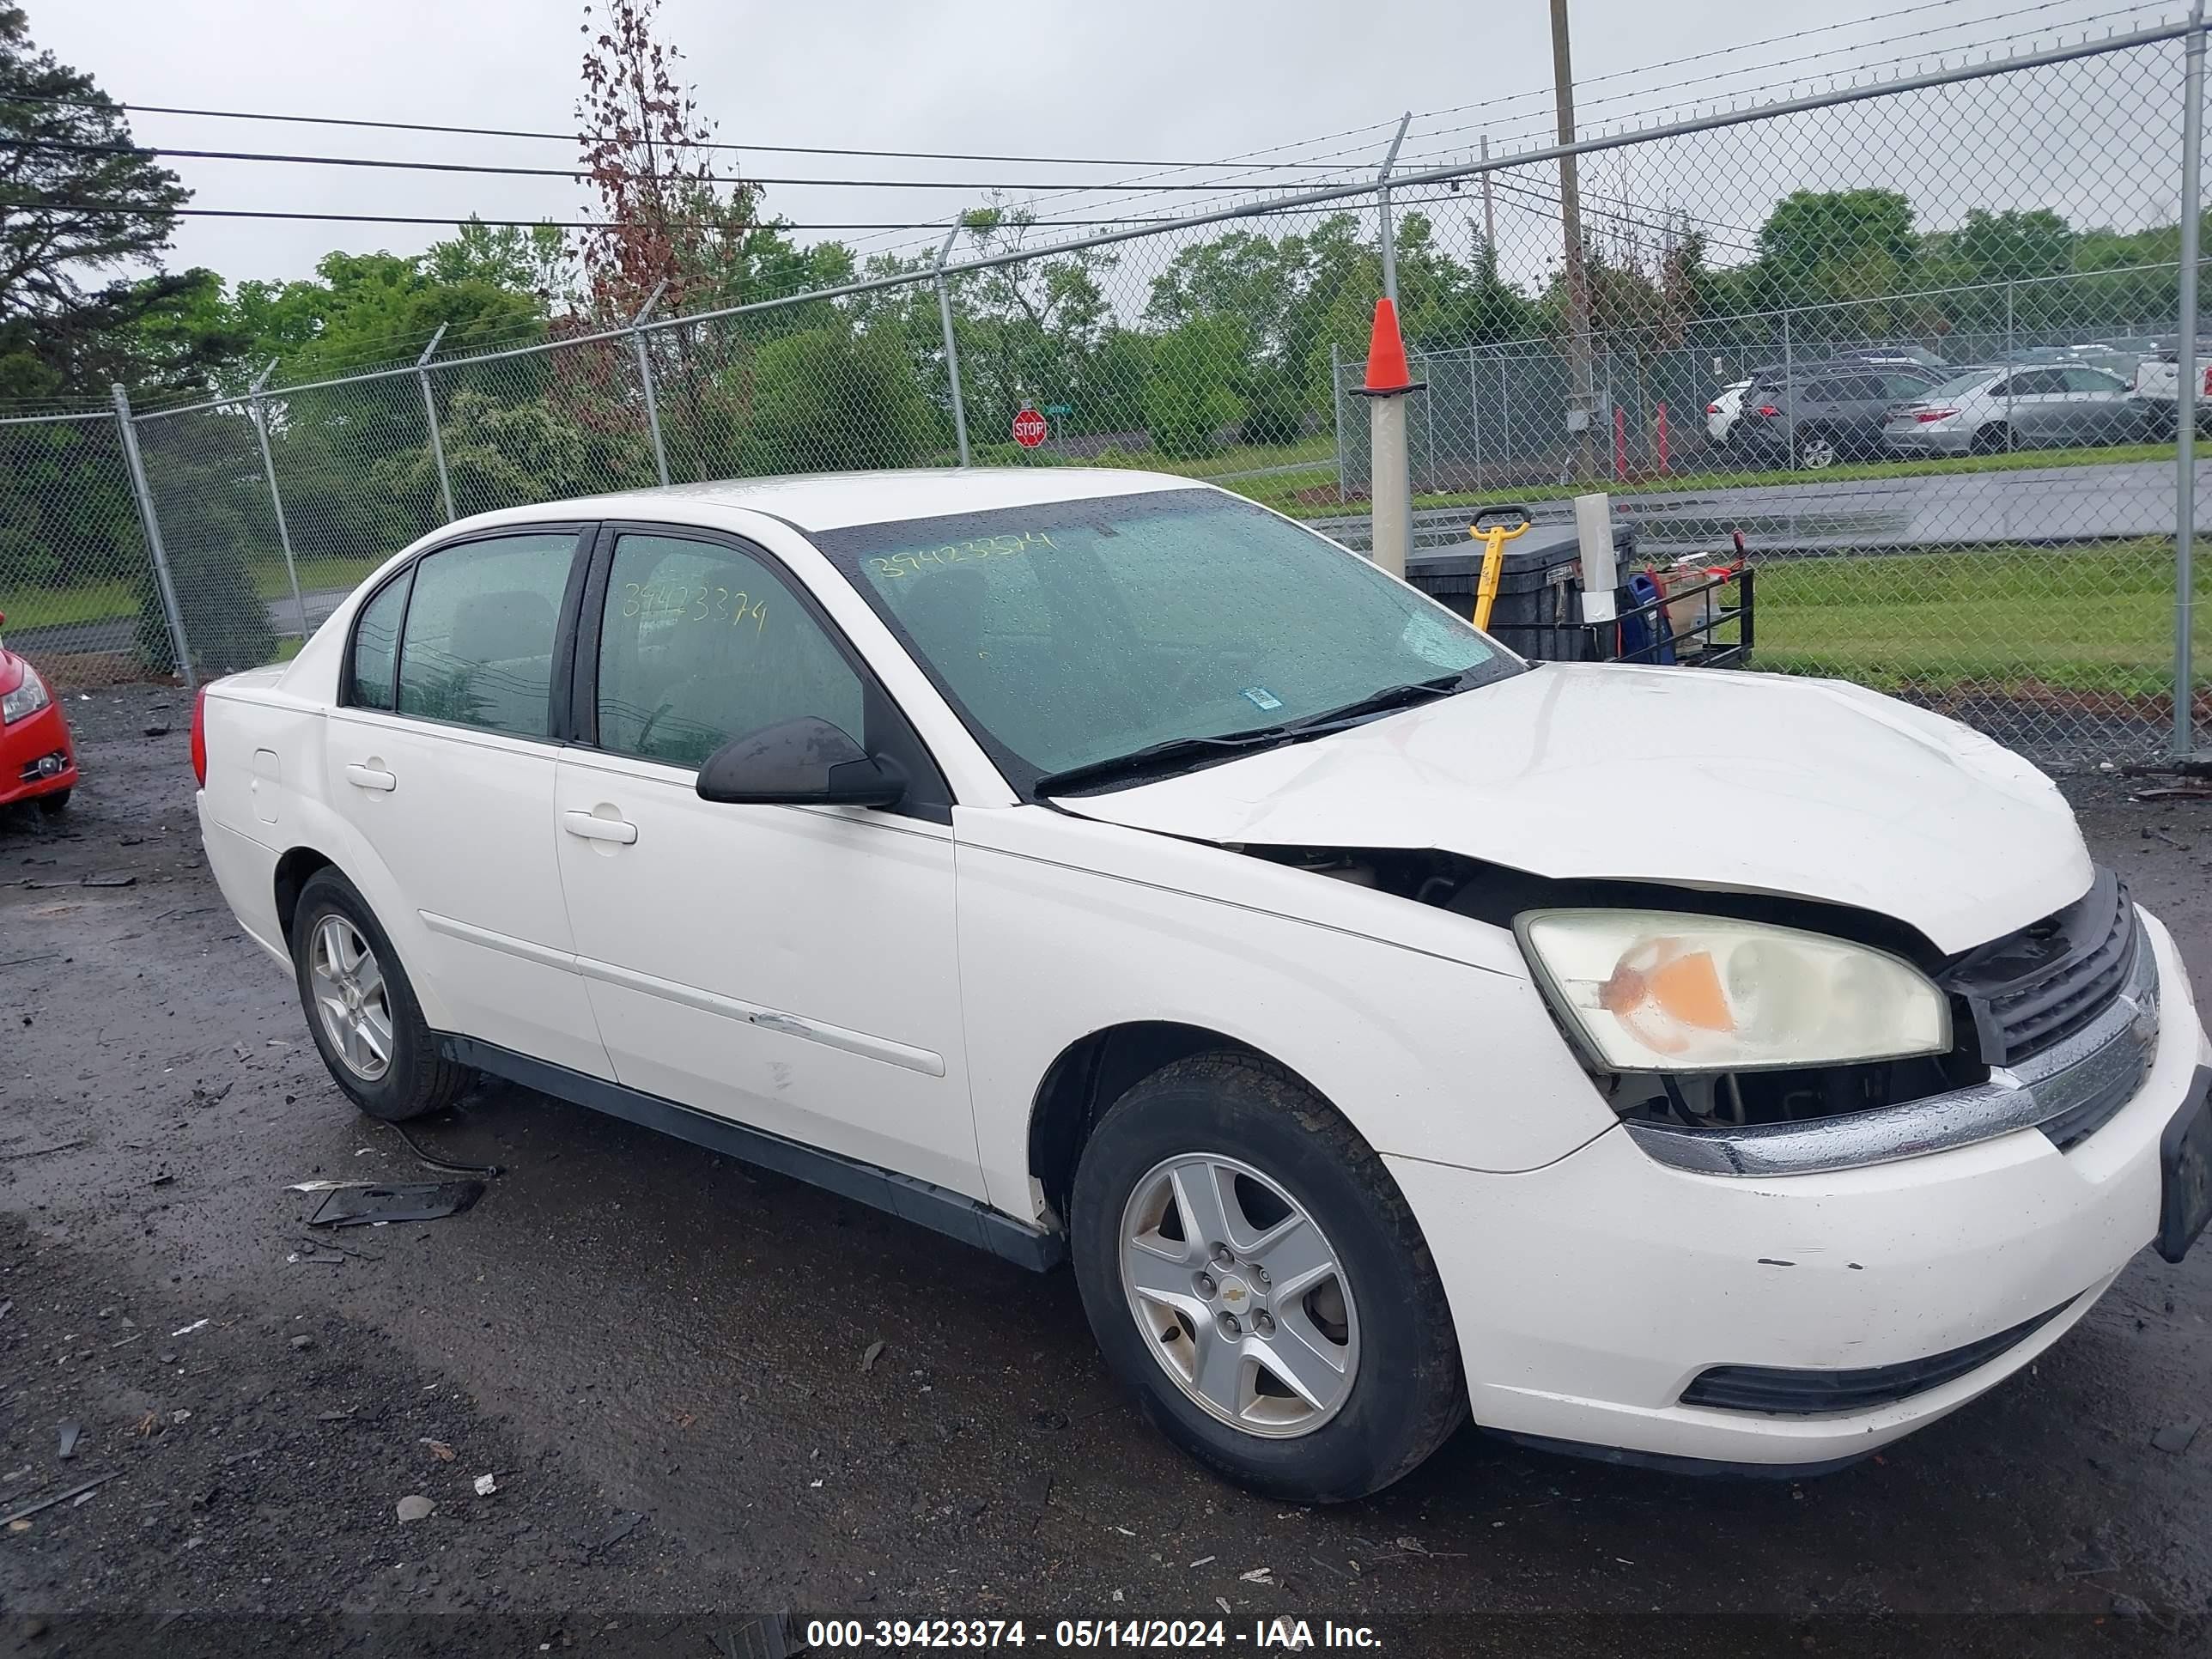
[{"x": 1387, "y": 369}]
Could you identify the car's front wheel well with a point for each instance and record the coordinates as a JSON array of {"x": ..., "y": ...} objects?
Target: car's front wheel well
[
  {"x": 1090, "y": 1075},
  {"x": 292, "y": 872}
]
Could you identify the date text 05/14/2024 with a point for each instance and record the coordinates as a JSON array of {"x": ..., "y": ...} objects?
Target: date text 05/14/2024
[{"x": 1279, "y": 1635}]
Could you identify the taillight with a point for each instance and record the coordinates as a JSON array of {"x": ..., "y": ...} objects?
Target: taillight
[
  {"x": 199, "y": 737},
  {"x": 1769, "y": 411},
  {"x": 1926, "y": 415},
  {"x": 1712, "y": 409}
]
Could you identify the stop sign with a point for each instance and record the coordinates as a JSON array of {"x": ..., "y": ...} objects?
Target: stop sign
[{"x": 1029, "y": 427}]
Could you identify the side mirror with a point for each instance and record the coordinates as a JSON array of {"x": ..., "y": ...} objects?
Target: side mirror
[{"x": 802, "y": 763}]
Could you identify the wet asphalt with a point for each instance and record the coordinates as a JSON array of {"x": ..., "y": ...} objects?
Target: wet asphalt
[
  {"x": 665, "y": 1359},
  {"x": 1943, "y": 511}
]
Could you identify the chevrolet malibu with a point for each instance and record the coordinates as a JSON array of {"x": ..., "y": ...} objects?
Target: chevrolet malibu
[{"x": 1100, "y": 868}]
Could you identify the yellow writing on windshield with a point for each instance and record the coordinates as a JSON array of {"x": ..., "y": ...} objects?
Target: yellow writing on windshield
[
  {"x": 674, "y": 602},
  {"x": 895, "y": 565}
]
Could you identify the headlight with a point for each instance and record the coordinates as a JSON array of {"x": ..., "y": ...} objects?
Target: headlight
[
  {"x": 1651, "y": 990},
  {"x": 26, "y": 699}
]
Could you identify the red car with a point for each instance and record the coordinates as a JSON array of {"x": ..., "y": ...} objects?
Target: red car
[{"x": 37, "y": 762}]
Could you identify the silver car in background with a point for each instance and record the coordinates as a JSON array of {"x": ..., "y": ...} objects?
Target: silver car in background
[{"x": 1996, "y": 408}]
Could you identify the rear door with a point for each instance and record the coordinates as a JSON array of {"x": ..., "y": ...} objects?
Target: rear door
[
  {"x": 2036, "y": 409},
  {"x": 441, "y": 761},
  {"x": 794, "y": 968},
  {"x": 2099, "y": 410}
]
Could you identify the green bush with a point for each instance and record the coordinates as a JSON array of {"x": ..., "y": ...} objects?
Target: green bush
[
  {"x": 1190, "y": 396},
  {"x": 226, "y": 621},
  {"x": 838, "y": 400},
  {"x": 1275, "y": 411}
]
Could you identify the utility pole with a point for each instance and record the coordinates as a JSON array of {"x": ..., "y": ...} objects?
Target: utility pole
[
  {"x": 1582, "y": 397},
  {"x": 1489, "y": 206}
]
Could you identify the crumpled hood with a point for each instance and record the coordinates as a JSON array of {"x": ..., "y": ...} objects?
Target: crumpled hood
[{"x": 1715, "y": 779}]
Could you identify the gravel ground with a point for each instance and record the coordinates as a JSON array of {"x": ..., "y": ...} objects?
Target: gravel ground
[{"x": 662, "y": 1359}]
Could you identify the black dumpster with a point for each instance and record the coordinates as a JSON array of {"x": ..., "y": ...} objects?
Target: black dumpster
[{"x": 1537, "y": 610}]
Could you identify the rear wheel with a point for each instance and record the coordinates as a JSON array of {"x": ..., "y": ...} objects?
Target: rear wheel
[
  {"x": 1816, "y": 450},
  {"x": 1995, "y": 439},
  {"x": 1253, "y": 1273},
  {"x": 361, "y": 1009}
]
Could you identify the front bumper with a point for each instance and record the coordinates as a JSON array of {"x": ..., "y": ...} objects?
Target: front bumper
[
  {"x": 37, "y": 757},
  {"x": 1591, "y": 1294}
]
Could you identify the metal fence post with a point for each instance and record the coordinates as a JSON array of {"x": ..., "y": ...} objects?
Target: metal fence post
[
  {"x": 2185, "y": 389},
  {"x": 275, "y": 496},
  {"x": 644, "y": 379},
  {"x": 1789, "y": 391},
  {"x": 951, "y": 347},
  {"x": 152, "y": 524},
  {"x": 430, "y": 415},
  {"x": 1389, "y": 237},
  {"x": 1336, "y": 413}
]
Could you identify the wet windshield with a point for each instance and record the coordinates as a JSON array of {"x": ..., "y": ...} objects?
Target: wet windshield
[{"x": 1074, "y": 632}]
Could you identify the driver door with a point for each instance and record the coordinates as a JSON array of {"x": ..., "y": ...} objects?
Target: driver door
[{"x": 791, "y": 968}]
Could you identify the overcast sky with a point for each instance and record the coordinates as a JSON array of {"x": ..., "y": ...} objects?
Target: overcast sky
[{"x": 1180, "y": 80}]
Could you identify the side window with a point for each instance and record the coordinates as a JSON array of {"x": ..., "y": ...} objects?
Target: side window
[
  {"x": 700, "y": 643},
  {"x": 2038, "y": 382},
  {"x": 376, "y": 643},
  {"x": 478, "y": 646}
]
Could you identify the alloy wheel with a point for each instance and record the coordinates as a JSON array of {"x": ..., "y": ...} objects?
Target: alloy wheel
[
  {"x": 1244, "y": 1299},
  {"x": 352, "y": 997}
]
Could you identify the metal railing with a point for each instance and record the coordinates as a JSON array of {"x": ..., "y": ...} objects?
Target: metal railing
[{"x": 2017, "y": 565}]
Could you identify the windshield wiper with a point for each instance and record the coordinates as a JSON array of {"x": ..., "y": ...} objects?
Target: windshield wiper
[
  {"x": 1163, "y": 758},
  {"x": 1381, "y": 702}
]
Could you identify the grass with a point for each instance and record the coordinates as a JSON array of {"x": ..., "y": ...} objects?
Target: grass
[
  {"x": 2097, "y": 620},
  {"x": 42, "y": 607}
]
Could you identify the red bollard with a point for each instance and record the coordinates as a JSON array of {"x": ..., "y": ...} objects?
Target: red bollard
[
  {"x": 1620, "y": 443},
  {"x": 1663, "y": 440}
]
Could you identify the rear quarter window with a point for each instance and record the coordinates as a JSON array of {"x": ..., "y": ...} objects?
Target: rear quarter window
[{"x": 376, "y": 644}]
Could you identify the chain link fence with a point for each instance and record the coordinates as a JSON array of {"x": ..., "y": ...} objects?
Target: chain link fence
[{"x": 1915, "y": 339}]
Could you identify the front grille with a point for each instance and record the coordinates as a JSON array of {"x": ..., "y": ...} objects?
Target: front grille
[
  {"x": 2039, "y": 986},
  {"x": 1812, "y": 1394}
]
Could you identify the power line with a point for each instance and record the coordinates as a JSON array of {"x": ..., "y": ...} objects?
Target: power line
[
  {"x": 576, "y": 175},
  {"x": 528, "y": 224},
  {"x": 592, "y": 138}
]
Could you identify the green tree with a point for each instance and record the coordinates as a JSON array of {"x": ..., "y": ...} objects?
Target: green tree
[
  {"x": 71, "y": 317},
  {"x": 1191, "y": 396},
  {"x": 836, "y": 399},
  {"x": 1844, "y": 256}
]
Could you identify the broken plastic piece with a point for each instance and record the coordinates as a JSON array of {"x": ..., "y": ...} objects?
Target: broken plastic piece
[{"x": 361, "y": 1207}]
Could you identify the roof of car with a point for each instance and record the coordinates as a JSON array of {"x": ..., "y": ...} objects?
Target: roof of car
[{"x": 833, "y": 501}]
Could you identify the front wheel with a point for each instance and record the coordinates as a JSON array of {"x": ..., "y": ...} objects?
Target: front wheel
[
  {"x": 360, "y": 1010},
  {"x": 53, "y": 805},
  {"x": 1252, "y": 1272}
]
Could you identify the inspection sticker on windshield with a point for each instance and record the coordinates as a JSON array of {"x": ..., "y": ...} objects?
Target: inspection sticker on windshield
[{"x": 1263, "y": 697}]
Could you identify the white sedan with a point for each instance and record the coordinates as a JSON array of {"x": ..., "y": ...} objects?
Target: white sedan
[{"x": 1098, "y": 867}]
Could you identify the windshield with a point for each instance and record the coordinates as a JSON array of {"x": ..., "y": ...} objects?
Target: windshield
[{"x": 1074, "y": 632}]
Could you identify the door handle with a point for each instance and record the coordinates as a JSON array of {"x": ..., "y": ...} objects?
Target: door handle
[
  {"x": 369, "y": 777},
  {"x": 592, "y": 828}
]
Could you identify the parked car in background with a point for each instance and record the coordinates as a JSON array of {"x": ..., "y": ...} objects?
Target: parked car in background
[
  {"x": 38, "y": 761},
  {"x": 2156, "y": 383},
  {"x": 1992, "y": 410},
  {"x": 1723, "y": 412},
  {"x": 1819, "y": 414},
  {"x": 995, "y": 847}
]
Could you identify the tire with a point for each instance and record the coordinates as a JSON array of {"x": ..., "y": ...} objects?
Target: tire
[
  {"x": 414, "y": 1077},
  {"x": 1995, "y": 439},
  {"x": 1817, "y": 450},
  {"x": 1305, "y": 1188},
  {"x": 53, "y": 805}
]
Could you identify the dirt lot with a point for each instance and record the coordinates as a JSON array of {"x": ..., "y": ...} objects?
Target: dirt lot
[{"x": 658, "y": 1356}]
